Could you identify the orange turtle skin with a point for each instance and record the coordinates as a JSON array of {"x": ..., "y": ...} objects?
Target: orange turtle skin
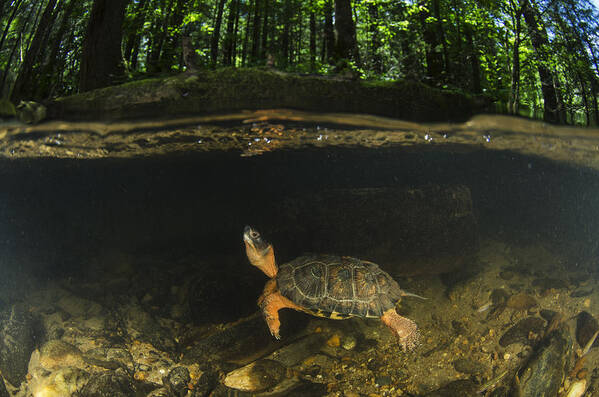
[{"x": 328, "y": 286}]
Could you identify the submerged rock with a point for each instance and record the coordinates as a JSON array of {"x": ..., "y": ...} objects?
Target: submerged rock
[
  {"x": 299, "y": 350},
  {"x": 177, "y": 381},
  {"x": 257, "y": 376},
  {"x": 462, "y": 387},
  {"x": 56, "y": 354},
  {"x": 586, "y": 326},
  {"x": 207, "y": 382},
  {"x": 17, "y": 342},
  {"x": 108, "y": 384},
  {"x": 521, "y": 332},
  {"x": 30, "y": 112},
  {"x": 60, "y": 383},
  {"x": 470, "y": 367},
  {"x": 143, "y": 326},
  {"x": 521, "y": 302},
  {"x": 547, "y": 283},
  {"x": 547, "y": 367}
]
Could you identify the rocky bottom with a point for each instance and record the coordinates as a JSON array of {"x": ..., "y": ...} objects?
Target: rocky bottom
[{"x": 521, "y": 320}]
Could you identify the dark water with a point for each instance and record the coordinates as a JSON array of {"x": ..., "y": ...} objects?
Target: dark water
[{"x": 201, "y": 202}]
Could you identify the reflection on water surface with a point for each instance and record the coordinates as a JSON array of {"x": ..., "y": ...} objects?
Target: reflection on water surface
[{"x": 252, "y": 133}]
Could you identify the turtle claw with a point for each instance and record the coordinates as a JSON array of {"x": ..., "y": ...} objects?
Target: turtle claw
[{"x": 276, "y": 335}]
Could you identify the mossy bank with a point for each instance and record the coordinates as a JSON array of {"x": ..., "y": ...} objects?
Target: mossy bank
[{"x": 238, "y": 89}]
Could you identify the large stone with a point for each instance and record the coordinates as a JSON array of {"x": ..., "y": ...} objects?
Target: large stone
[
  {"x": 56, "y": 354},
  {"x": 522, "y": 331},
  {"x": 547, "y": 367},
  {"x": 177, "y": 381},
  {"x": 586, "y": 326},
  {"x": 257, "y": 376},
  {"x": 63, "y": 382},
  {"x": 17, "y": 341}
]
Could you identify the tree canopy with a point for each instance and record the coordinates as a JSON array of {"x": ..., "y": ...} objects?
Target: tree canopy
[{"x": 535, "y": 57}]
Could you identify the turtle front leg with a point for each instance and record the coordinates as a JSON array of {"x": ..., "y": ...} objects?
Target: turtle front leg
[
  {"x": 271, "y": 301},
  {"x": 405, "y": 329},
  {"x": 270, "y": 311}
]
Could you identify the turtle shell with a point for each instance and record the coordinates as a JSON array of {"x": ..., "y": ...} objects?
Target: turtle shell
[{"x": 338, "y": 286}]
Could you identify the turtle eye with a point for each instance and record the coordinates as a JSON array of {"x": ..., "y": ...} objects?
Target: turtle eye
[{"x": 254, "y": 234}]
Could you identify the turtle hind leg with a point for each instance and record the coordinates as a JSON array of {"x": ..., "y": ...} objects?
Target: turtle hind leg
[{"x": 405, "y": 329}]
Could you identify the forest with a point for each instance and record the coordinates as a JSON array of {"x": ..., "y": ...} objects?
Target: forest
[{"x": 536, "y": 58}]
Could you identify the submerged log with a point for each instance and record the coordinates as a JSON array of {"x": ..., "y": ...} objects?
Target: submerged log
[{"x": 407, "y": 231}]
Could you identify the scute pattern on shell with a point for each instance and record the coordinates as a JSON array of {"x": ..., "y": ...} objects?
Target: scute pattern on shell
[{"x": 338, "y": 287}]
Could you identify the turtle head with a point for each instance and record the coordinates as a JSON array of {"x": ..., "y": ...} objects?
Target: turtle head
[{"x": 259, "y": 252}]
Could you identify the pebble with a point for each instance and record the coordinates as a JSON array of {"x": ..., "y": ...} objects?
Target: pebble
[
  {"x": 577, "y": 388},
  {"x": 349, "y": 342},
  {"x": 257, "y": 376},
  {"x": 521, "y": 332},
  {"x": 334, "y": 341},
  {"x": 383, "y": 380},
  {"x": 521, "y": 302}
]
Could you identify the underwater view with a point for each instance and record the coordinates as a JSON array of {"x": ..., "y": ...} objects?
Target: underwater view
[{"x": 420, "y": 260}]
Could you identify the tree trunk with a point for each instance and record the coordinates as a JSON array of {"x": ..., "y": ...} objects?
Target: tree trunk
[
  {"x": 24, "y": 85},
  {"x": 329, "y": 34},
  {"x": 346, "y": 47},
  {"x": 48, "y": 80},
  {"x": 585, "y": 101},
  {"x": 255, "y": 33},
  {"x": 540, "y": 43},
  {"x": 441, "y": 36},
  {"x": 474, "y": 59},
  {"x": 561, "y": 108},
  {"x": 216, "y": 32},
  {"x": 595, "y": 92},
  {"x": 101, "y": 62},
  {"x": 246, "y": 36},
  {"x": 264, "y": 46},
  {"x": 312, "y": 39},
  {"x": 375, "y": 42},
  {"x": 133, "y": 35},
  {"x": 284, "y": 56},
  {"x": 434, "y": 58},
  {"x": 236, "y": 34},
  {"x": 230, "y": 38},
  {"x": 9, "y": 23},
  {"x": 172, "y": 53},
  {"x": 514, "y": 101},
  {"x": 13, "y": 51}
]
